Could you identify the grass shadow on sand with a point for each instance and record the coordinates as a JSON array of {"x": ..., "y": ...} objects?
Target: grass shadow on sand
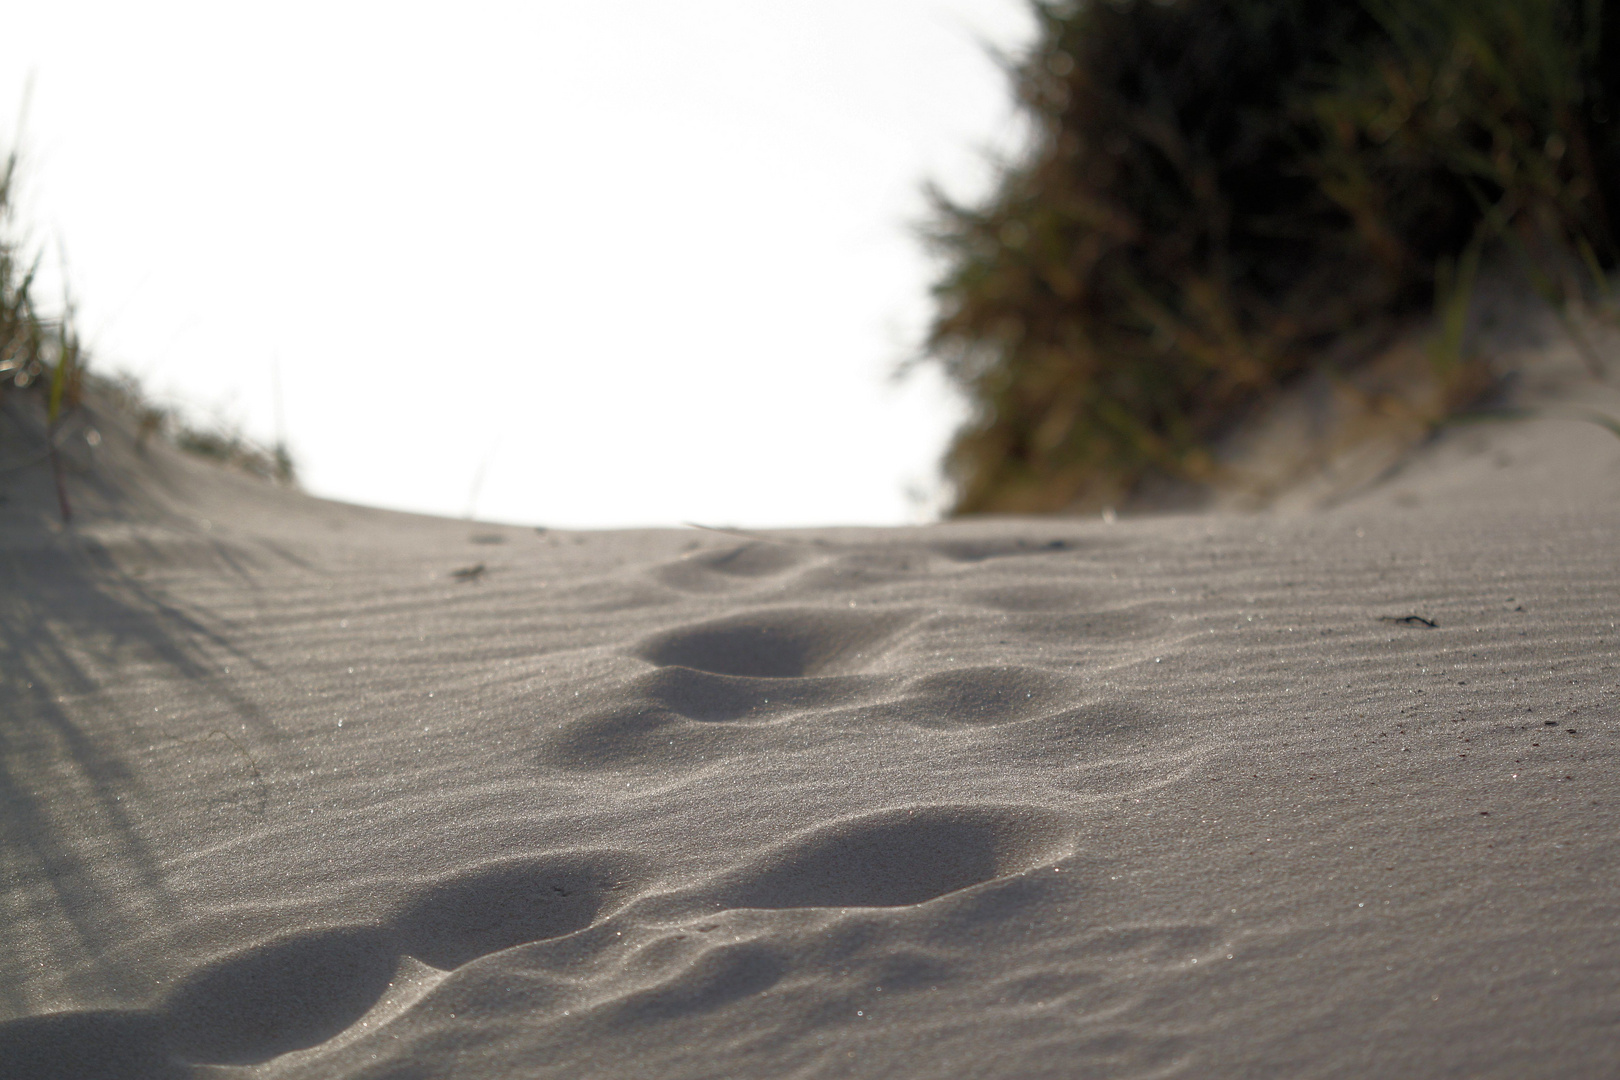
[{"x": 76, "y": 631}]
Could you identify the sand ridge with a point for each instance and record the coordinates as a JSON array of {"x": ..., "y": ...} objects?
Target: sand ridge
[{"x": 285, "y": 796}]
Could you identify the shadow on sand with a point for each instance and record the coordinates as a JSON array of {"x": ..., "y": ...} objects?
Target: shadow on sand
[{"x": 82, "y": 636}]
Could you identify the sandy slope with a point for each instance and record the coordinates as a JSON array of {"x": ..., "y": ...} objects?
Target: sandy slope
[{"x": 283, "y": 796}]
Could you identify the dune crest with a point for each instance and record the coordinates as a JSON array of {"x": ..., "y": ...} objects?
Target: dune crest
[{"x": 286, "y": 792}]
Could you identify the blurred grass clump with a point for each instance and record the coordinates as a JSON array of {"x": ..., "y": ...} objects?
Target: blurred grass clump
[
  {"x": 35, "y": 347},
  {"x": 43, "y": 360},
  {"x": 1218, "y": 192},
  {"x": 37, "y": 350}
]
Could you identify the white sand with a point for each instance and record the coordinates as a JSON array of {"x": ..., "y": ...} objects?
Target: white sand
[{"x": 281, "y": 796}]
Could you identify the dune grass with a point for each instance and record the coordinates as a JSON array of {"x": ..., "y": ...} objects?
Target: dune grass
[
  {"x": 37, "y": 350},
  {"x": 43, "y": 359},
  {"x": 222, "y": 443},
  {"x": 1220, "y": 194}
]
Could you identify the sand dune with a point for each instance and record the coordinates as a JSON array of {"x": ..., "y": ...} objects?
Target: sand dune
[{"x": 293, "y": 789}]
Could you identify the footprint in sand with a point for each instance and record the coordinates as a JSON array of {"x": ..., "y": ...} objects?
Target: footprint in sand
[
  {"x": 309, "y": 988},
  {"x": 976, "y": 696},
  {"x": 484, "y": 911},
  {"x": 699, "y": 708},
  {"x": 286, "y": 995},
  {"x": 778, "y": 643},
  {"x": 109, "y": 1044},
  {"x": 318, "y": 990},
  {"x": 890, "y": 859},
  {"x": 716, "y": 681},
  {"x": 733, "y": 569},
  {"x": 748, "y": 667},
  {"x": 895, "y": 858}
]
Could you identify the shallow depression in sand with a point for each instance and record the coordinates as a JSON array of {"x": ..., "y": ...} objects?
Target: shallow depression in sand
[
  {"x": 776, "y": 643},
  {"x": 732, "y": 568},
  {"x": 511, "y": 903},
  {"x": 979, "y": 695},
  {"x": 895, "y": 858},
  {"x": 109, "y": 1044},
  {"x": 302, "y": 990},
  {"x": 706, "y": 696},
  {"x": 286, "y": 995}
]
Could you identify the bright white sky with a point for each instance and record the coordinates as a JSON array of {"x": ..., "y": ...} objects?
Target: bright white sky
[{"x": 632, "y": 262}]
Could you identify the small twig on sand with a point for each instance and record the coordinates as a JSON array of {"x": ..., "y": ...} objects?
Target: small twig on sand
[{"x": 746, "y": 535}]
